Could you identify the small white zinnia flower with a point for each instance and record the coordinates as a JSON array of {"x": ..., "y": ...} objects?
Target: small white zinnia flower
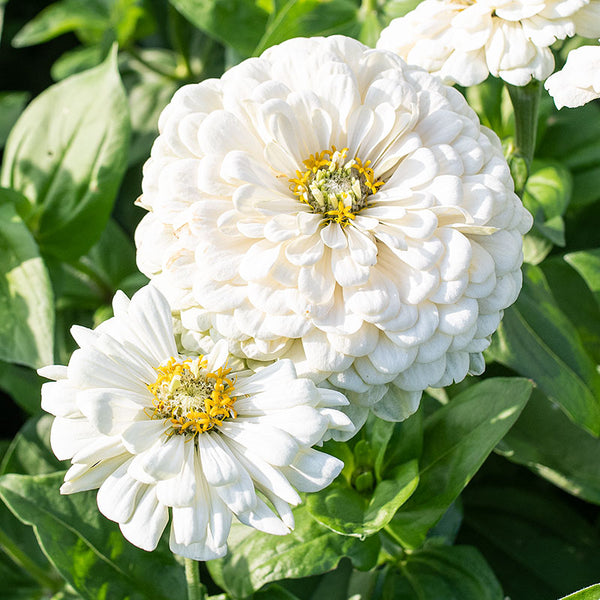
[
  {"x": 579, "y": 80},
  {"x": 462, "y": 41},
  {"x": 158, "y": 432},
  {"x": 329, "y": 203}
]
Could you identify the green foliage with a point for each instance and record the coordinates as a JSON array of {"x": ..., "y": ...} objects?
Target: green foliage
[
  {"x": 67, "y": 155},
  {"x": 457, "y": 439},
  {"x": 26, "y": 302},
  {"x": 257, "y": 558},
  {"x": 344, "y": 510},
  {"x": 444, "y": 573},
  {"x": 87, "y": 549},
  {"x": 400, "y": 522},
  {"x": 536, "y": 543},
  {"x": 538, "y": 341},
  {"x": 548, "y": 443}
]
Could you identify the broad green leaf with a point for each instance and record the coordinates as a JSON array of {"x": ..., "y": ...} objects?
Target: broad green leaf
[
  {"x": 257, "y": 558},
  {"x": 63, "y": 17},
  {"x": 296, "y": 18},
  {"x": 457, "y": 439},
  {"x": 539, "y": 546},
  {"x": 589, "y": 593},
  {"x": 2, "y": 4},
  {"x": 238, "y": 23},
  {"x": 587, "y": 264},
  {"x": 87, "y": 549},
  {"x": 11, "y": 106},
  {"x": 443, "y": 573},
  {"x": 91, "y": 20},
  {"x": 343, "y": 510},
  {"x": 536, "y": 340},
  {"x": 67, "y": 155},
  {"x": 23, "y": 384},
  {"x": 576, "y": 300},
  {"x": 549, "y": 444},
  {"x": 26, "y": 303}
]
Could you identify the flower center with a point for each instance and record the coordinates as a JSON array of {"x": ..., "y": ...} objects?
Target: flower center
[
  {"x": 335, "y": 187},
  {"x": 191, "y": 398}
]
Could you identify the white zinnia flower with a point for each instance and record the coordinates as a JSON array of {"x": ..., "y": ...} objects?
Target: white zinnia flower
[
  {"x": 155, "y": 430},
  {"x": 579, "y": 80},
  {"x": 463, "y": 41},
  {"x": 329, "y": 203}
]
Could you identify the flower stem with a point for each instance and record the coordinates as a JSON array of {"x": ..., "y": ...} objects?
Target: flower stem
[
  {"x": 525, "y": 101},
  {"x": 196, "y": 591}
]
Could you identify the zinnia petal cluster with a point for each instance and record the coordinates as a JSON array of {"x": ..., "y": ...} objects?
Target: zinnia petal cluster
[
  {"x": 329, "y": 203},
  {"x": 163, "y": 434},
  {"x": 463, "y": 41},
  {"x": 578, "y": 82}
]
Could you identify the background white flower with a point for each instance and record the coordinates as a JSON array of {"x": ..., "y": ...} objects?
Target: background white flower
[
  {"x": 156, "y": 431},
  {"x": 462, "y": 41},
  {"x": 578, "y": 82},
  {"x": 329, "y": 203}
]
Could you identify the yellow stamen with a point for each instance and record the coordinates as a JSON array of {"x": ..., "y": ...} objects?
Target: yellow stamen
[{"x": 190, "y": 400}]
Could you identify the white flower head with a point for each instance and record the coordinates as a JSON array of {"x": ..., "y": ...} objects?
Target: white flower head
[
  {"x": 463, "y": 41},
  {"x": 579, "y": 80},
  {"x": 329, "y": 203},
  {"x": 158, "y": 432}
]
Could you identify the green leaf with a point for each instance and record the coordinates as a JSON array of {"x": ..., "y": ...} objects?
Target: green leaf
[
  {"x": 589, "y": 593},
  {"x": 345, "y": 511},
  {"x": 587, "y": 264},
  {"x": 26, "y": 304},
  {"x": 295, "y": 18},
  {"x": 257, "y": 558},
  {"x": 537, "y": 544},
  {"x": 238, "y": 23},
  {"x": 63, "y": 17},
  {"x": 457, "y": 439},
  {"x": 11, "y": 106},
  {"x": 67, "y": 155},
  {"x": 544, "y": 440},
  {"x": 536, "y": 340},
  {"x": 576, "y": 301},
  {"x": 87, "y": 549},
  {"x": 29, "y": 452},
  {"x": 23, "y": 385},
  {"x": 547, "y": 195},
  {"x": 443, "y": 573},
  {"x": 77, "y": 60},
  {"x": 92, "y": 20}
]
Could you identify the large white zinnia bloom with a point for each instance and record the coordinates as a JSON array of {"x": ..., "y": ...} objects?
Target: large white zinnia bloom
[
  {"x": 329, "y": 203},
  {"x": 157, "y": 432},
  {"x": 579, "y": 80},
  {"x": 463, "y": 41}
]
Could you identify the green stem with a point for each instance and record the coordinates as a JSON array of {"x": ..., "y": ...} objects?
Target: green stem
[
  {"x": 525, "y": 101},
  {"x": 196, "y": 591},
  {"x": 163, "y": 73},
  {"x": 21, "y": 559}
]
